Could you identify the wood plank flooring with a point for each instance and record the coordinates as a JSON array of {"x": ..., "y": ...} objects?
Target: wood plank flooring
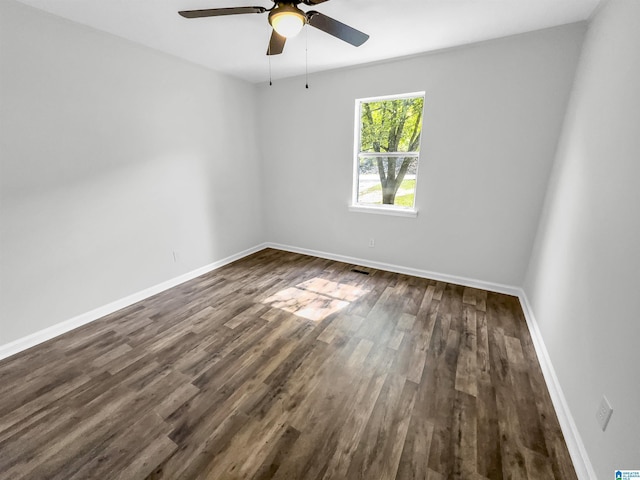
[{"x": 284, "y": 366}]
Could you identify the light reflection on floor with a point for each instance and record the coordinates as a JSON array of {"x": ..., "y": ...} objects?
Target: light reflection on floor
[{"x": 315, "y": 299}]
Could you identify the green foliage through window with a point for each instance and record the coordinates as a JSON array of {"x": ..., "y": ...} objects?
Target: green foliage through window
[{"x": 391, "y": 125}]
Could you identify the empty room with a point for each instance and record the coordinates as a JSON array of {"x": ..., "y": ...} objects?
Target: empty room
[{"x": 317, "y": 239}]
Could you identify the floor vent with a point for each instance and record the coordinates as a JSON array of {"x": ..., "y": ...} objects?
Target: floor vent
[{"x": 359, "y": 271}]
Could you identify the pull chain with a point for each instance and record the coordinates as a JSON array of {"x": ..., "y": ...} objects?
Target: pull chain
[
  {"x": 306, "y": 58},
  {"x": 269, "y": 56}
]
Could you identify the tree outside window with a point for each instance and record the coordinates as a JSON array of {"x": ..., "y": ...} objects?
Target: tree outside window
[{"x": 388, "y": 151}]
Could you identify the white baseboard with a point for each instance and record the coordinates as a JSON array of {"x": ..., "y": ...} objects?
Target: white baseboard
[
  {"x": 63, "y": 327},
  {"x": 442, "y": 277},
  {"x": 581, "y": 462}
]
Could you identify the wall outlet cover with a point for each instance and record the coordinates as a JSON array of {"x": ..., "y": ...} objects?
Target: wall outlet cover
[{"x": 604, "y": 413}]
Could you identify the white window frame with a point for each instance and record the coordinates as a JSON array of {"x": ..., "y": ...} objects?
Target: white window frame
[{"x": 381, "y": 209}]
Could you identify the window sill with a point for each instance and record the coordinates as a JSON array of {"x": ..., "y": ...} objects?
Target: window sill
[{"x": 397, "y": 212}]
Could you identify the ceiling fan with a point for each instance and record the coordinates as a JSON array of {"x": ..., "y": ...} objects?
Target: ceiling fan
[{"x": 287, "y": 20}]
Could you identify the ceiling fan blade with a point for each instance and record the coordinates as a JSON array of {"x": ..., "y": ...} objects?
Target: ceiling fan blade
[
  {"x": 276, "y": 44},
  {"x": 336, "y": 28},
  {"x": 216, "y": 12},
  {"x": 313, "y": 2}
]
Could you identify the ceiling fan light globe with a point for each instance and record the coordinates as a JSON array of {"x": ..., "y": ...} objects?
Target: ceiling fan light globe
[{"x": 287, "y": 21}]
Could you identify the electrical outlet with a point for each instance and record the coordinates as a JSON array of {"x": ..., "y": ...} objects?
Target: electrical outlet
[
  {"x": 604, "y": 413},
  {"x": 372, "y": 243}
]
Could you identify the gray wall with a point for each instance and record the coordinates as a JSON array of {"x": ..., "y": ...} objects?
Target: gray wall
[
  {"x": 493, "y": 113},
  {"x": 583, "y": 279},
  {"x": 112, "y": 157}
]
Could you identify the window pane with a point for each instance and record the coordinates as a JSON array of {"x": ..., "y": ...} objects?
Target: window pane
[
  {"x": 387, "y": 181},
  {"x": 391, "y": 125}
]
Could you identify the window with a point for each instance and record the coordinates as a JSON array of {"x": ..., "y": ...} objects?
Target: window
[{"x": 387, "y": 153}]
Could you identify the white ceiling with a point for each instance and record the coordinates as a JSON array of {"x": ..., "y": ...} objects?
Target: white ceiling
[{"x": 236, "y": 45}]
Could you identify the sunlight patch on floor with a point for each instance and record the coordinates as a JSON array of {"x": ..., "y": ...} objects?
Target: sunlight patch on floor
[
  {"x": 315, "y": 299},
  {"x": 342, "y": 291}
]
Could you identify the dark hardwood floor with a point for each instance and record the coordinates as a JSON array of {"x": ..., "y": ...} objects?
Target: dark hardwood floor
[{"x": 286, "y": 366}]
